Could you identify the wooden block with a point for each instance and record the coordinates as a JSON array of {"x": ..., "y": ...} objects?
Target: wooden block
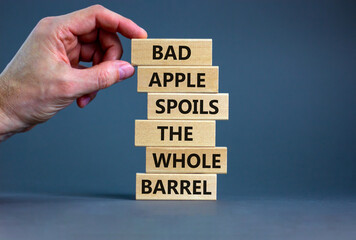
[
  {"x": 188, "y": 106},
  {"x": 186, "y": 160},
  {"x": 156, "y": 133},
  {"x": 193, "y": 52},
  {"x": 178, "y": 79},
  {"x": 175, "y": 186}
]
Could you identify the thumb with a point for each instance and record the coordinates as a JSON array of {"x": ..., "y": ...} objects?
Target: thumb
[{"x": 102, "y": 75}]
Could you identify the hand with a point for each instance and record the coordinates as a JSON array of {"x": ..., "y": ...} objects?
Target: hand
[{"x": 45, "y": 76}]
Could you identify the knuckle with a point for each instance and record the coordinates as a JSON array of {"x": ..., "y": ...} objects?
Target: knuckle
[
  {"x": 66, "y": 88},
  {"x": 46, "y": 21},
  {"x": 66, "y": 85},
  {"x": 103, "y": 79},
  {"x": 44, "y": 25},
  {"x": 97, "y": 7}
]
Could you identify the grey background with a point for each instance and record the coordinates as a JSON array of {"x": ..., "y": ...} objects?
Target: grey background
[
  {"x": 33, "y": 217},
  {"x": 289, "y": 67}
]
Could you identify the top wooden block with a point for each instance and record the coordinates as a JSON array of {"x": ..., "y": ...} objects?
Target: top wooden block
[{"x": 173, "y": 52}]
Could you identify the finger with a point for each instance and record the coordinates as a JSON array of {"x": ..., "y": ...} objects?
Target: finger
[
  {"x": 86, "y": 99},
  {"x": 99, "y": 76},
  {"x": 86, "y": 20},
  {"x": 87, "y": 51},
  {"x": 89, "y": 37},
  {"x": 73, "y": 55},
  {"x": 98, "y": 56},
  {"x": 111, "y": 45},
  {"x": 91, "y": 52},
  {"x": 110, "y": 48}
]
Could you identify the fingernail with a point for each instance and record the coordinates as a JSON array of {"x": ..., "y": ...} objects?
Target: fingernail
[
  {"x": 145, "y": 35},
  {"x": 85, "y": 101},
  {"x": 93, "y": 95},
  {"x": 126, "y": 71}
]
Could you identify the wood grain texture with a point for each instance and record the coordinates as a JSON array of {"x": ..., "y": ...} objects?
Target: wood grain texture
[
  {"x": 197, "y": 79},
  {"x": 176, "y": 186},
  {"x": 142, "y": 52},
  {"x": 197, "y": 133},
  {"x": 188, "y": 106},
  {"x": 190, "y": 160}
]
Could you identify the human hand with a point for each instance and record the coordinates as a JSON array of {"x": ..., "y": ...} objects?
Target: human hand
[{"x": 45, "y": 76}]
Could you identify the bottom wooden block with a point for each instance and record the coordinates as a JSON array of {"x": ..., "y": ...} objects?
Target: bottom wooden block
[{"x": 150, "y": 186}]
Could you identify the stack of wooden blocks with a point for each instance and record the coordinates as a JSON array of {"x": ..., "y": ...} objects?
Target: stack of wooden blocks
[{"x": 182, "y": 105}]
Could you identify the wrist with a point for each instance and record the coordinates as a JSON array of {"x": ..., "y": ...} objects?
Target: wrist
[
  {"x": 10, "y": 122},
  {"x": 7, "y": 128}
]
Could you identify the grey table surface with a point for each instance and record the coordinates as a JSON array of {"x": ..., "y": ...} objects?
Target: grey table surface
[{"x": 28, "y": 216}]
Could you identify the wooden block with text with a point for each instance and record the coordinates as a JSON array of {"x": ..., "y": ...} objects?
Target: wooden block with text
[
  {"x": 186, "y": 160},
  {"x": 188, "y": 106},
  {"x": 193, "y": 52},
  {"x": 175, "y": 186},
  {"x": 198, "y": 133},
  {"x": 178, "y": 79}
]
